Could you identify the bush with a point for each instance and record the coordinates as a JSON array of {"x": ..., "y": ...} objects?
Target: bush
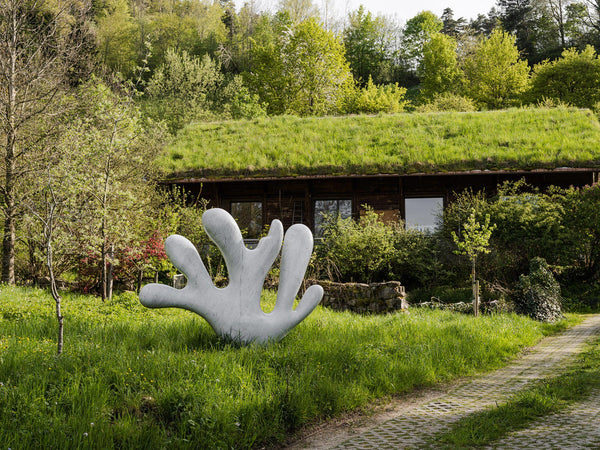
[
  {"x": 538, "y": 294},
  {"x": 371, "y": 250},
  {"x": 574, "y": 78},
  {"x": 372, "y": 99},
  {"x": 448, "y": 102}
]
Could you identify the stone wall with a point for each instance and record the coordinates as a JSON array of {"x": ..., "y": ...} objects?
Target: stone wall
[{"x": 362, "y": 298}]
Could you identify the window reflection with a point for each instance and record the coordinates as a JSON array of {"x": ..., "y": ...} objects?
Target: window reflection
[
  {"x": 249, "y": 217},
  {"x": 330, "y": 208},
  {"x": 423, "y": 213}
]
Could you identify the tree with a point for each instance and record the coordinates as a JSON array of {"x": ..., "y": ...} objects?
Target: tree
[
  {"x": 118, "y": 149},
  {"x": 117, "y": 32},
  {"x": 451, "y": 26},
  {"x": 574, "y": 78},
  {"x": 517, "y": 18},
  {"x": 495, "y": 76},
  {"x": 475, "y": 241},
  {"x": 372, "y": 99},
  {"x": 417, "y": 31},
  {"x": 187, "y": 88},
  {"x": 299, "y": 10},
  {"x": 37, "y": 44},
  {"x": 485, "y": 24},
  {"x": 364, "y": 39},
  {"x": 439, "y": 72},
  {"x": 51, "y": 205},
  {"x": 558, "y": 11},
  {"x": 303, "y": 72}
]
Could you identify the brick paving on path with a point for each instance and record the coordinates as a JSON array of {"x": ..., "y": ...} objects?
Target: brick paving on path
[{"x": 578, "y": 427}]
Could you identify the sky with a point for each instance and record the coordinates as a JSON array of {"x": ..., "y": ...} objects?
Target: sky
[
  {"x": 405, "y": 9},
  {"x": 401, "y": 9}
]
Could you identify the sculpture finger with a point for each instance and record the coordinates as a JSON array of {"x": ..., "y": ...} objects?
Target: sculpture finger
[
  {"x": 309, "y": 301},
  {"x": 161, "y": 296},
  {"x": 295, "y": 256},
  {"x": 185, "y": 257},
  {"x": 263, "y": 256},
  {"x": 225, "y": 233}
]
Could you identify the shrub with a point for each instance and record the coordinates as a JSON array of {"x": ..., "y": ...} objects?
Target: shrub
[
  {"x": 574, "y": 78},
  {"x": 371, "y": 250},
  {"x": 538, "y": 294},
  {"x": 448, "y": 102},
  {"x": 373, "y": 99}
]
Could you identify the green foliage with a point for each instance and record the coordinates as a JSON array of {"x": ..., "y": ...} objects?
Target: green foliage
[
  {"x": 582, "y": 229},
  {"x": 371, "y": 250},
  {"x": 574, "y": 78},
  {"x": 475, "y": 237},
  {"x": 185, "y": 89},
  {"x": 528, "y": 224},
  {"x": 364, "y": 40},
  {"x": 372, "y": 99},
  {"x": 417, "y": 31},
  {"x": 538, "y": 294},
  {"x": 358, "y": 251},
  {"x": 439, "y": 72},
  {"x": 303, "y": 72},
  {"x": 110, "y": 153},
  {"x": 116, "y": 33},
  {"x": 403, "y": 143},
  {"x": 131, "y": 377},
  {"x": 448, "y": 102},
  {"x": 495, "y": 76}
]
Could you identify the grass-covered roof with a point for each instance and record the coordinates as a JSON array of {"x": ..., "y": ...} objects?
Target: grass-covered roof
[{"x": 387, "y": 144}]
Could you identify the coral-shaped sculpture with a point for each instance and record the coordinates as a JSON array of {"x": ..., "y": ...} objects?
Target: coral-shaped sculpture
[{"x": 234, "y": 311}]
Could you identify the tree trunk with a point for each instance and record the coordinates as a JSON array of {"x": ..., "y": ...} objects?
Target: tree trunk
[
  {"x": 8, "y": 241},
  {"x": 475, "y": 289},
  {"x": 110, "y": 274},
  {"x": 8, "y": 246},
  {"x": 140, "y": 280},
  {"x": 53, "y": 289}
]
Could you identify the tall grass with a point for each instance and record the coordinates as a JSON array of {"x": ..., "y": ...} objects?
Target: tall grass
[
  {"x": 136, "y": 378},
  {"x": 400, "y": 143}
]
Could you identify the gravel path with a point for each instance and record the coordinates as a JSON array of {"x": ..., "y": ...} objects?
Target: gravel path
[{"x": 411, "y": 425}]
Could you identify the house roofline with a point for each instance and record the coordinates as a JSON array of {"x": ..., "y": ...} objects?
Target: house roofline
[{"x": 382, "y": 175}]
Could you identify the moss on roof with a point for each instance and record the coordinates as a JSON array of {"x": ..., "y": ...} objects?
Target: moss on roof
[{"x": 387, "y": 144}]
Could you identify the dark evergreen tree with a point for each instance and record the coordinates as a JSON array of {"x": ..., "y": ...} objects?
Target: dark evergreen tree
[
  {"x": 452, "y": 27},
  {"x": 516, "y": 17}
]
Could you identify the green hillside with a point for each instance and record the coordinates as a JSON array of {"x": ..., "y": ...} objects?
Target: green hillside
[{"x": 403, "y": 143}]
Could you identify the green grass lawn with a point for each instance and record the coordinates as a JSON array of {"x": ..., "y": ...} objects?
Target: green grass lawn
[
  {"x": 400, "y": 143},
  {"x": 136, "y": 378}
]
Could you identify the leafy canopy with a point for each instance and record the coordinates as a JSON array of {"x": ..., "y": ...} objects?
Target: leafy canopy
[
  {"x": 495, "y": 75},
  {"x": 574, "y": 78}
]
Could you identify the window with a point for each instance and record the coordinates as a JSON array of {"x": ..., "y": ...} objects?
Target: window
[
  {"x": 331, "y": 208},
  {"x": 249, "y": 217},
  {"x": 423, "y": 213}
]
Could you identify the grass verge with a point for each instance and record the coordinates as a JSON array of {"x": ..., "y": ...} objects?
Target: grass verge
[
  {"x": 545, "y": 397},
  {"x": 137, "y": 378}
]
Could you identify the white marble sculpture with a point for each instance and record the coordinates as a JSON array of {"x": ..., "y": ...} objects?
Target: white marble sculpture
[{"x": 234, "y": 311}]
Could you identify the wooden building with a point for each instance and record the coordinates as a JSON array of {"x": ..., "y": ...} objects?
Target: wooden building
[
  {"x": 415, "y": 198},
  {"x": 262, "y": 191}
]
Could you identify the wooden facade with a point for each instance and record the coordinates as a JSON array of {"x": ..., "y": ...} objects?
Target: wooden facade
[{"x": 293, "y": 200}]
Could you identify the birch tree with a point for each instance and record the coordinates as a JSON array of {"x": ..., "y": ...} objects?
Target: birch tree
[{"x": 37, "y": 46}]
